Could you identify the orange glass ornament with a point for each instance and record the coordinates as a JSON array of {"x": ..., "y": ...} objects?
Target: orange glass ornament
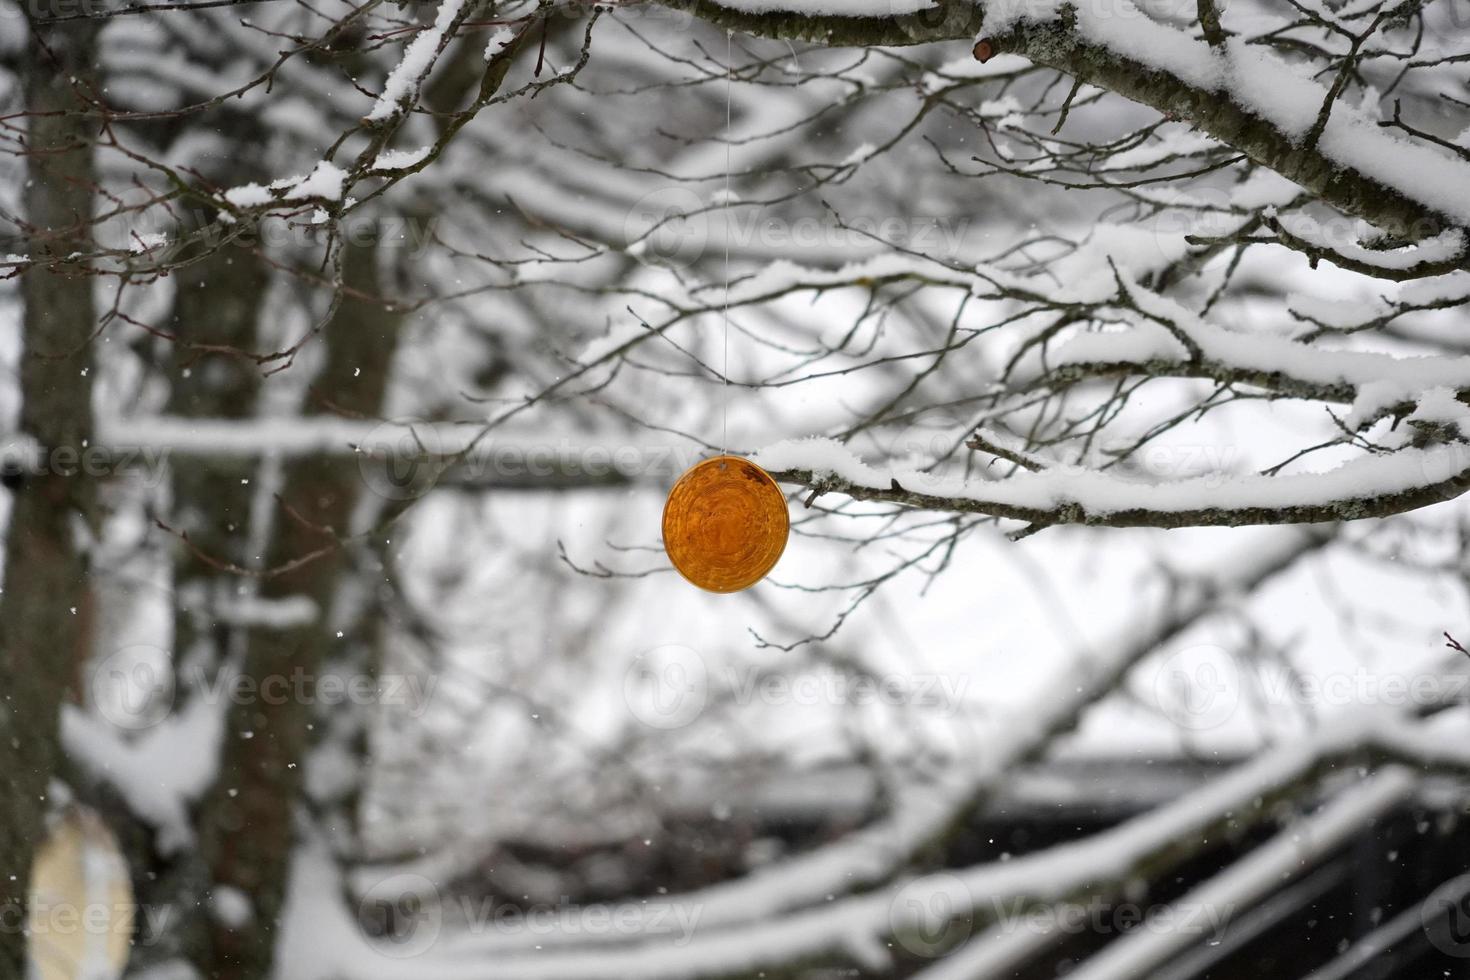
[{"x": 725, "y": 524}]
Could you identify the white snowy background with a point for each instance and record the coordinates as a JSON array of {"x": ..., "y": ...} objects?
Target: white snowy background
[{"x": 572, "y": 691}]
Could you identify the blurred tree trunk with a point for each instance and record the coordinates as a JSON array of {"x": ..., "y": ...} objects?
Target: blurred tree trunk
[
  {"x": 218, "y": 303},
  {"x": 44, "y": 610},
  {"x": 248, "y": 820}
]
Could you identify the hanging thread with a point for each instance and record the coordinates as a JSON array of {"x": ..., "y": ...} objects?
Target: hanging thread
[
  {"x": 725, "y": 313},
  {"x": 725, "y": 521}
]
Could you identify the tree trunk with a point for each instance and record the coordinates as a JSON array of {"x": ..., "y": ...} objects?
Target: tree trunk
[
  {"x": 217, "y": 303},
  {"x": 44, "y": 609},
  {"x": 247, "y": 823}
]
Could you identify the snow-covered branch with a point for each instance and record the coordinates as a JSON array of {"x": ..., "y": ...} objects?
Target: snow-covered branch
[
  {"x": 854, "y": 929},
  {"x": 1244, "y": 96},
  {"x": 925, "y": 811},
  {"x": 1373, "y": 486}
]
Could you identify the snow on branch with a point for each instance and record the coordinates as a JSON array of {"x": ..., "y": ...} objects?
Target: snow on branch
[
  {"x": 924, "y": 812},
  {"x": 1437, "y": 256},
  {"x": 1170, "y": 339},
  {"x": 402, "y": 83},
  {"x": 324, "y": 183},
  {"x": 854, "y": 928},
  {"x": 1240, "y": 94},
  {"x": 1262, "y": 871},
  {"x": 1278, "y": 861},
  {"x": 446, "y": 454},
  {"x": 1372, "y": 486}
]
